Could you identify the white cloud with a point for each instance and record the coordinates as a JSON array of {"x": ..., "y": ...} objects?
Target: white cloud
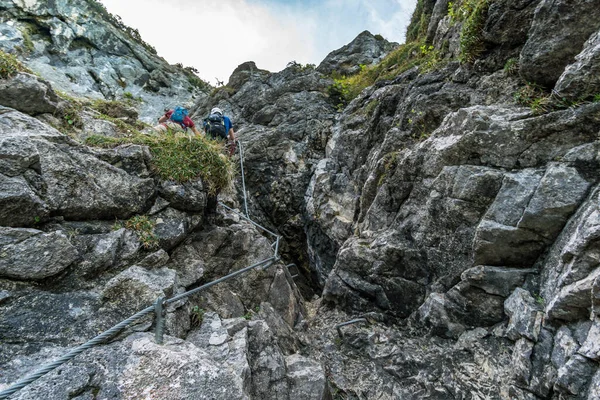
[{"x": 215, "y": 36}]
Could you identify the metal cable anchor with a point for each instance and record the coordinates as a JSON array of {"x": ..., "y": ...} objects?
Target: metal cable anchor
[{"x": 160, "y": 320}]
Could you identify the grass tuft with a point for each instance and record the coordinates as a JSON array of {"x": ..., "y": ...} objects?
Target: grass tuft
[
  {"x": 10, "y": 65},
  {"x": 180, "y": 157},
  {"x": 473, "y": 13},
  {"x": 144, "y": 228}
]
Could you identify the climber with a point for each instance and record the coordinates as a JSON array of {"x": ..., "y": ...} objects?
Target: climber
[
  {"x": 176, "y": 119},
  {"x": 219, "y": 126}
]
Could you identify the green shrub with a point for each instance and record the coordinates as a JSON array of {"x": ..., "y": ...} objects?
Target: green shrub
[{"x": 180, "y": 157}]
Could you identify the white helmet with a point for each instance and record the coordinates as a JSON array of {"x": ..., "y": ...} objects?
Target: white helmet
[{"x": 216, "y": 110}]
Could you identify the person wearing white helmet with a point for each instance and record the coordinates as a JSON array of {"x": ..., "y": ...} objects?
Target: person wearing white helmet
[{"x": 219, "y": 126}]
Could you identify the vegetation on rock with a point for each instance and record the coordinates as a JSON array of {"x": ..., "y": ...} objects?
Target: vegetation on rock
[
  {"x": 473, "y": 14},
  {"x": 9, "y": 65},
  {"x": 144, "y": 228},
  {"x": 180, "y": 157}
]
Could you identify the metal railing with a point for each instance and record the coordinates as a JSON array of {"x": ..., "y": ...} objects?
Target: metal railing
[{"x": 158, "y": 307}]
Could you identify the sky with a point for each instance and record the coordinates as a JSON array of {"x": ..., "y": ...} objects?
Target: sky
[{"x": 215, "y": 36}]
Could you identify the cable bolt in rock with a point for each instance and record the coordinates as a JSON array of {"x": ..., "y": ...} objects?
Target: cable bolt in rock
[
  {"x": 297, "y": 269},
  {"x": 351, "y": 322}
]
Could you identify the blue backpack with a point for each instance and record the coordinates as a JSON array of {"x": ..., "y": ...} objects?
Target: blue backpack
[{"x": 179, "y": 113}]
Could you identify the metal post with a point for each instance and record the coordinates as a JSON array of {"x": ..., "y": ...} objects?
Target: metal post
[{"x": 160, "y": 320}]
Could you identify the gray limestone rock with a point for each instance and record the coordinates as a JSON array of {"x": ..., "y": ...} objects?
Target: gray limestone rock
[
  {"x": 576, "y": 300},
  {"x": 172, "y": 227},
  {"x": 521, "y": 361},
  {"x": 574, "y": 377},
  {"x": 137, "y": 366},
  {"x": 591, "y": 347},
  {"x": 86, "y": 52},
  {"x": 268, "y": 380},
  {"x": 564, "y": 347},
  {"x": 28, "y": 94},
  {"x": 557, "y": 34},
  {"x": 306, "y": 378},
  {"x": 137, "y": 288},
  {"x": 499, "y": 281},
  {"x": 580, "y": 79},
  {"x": 32, "y": 254},
  {"x": 594, "y": 392},
  {"x": 525, "y": 316},
  {"x": 189, "y": 196}
]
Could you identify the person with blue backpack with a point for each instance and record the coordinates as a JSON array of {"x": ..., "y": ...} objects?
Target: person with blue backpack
[
  {"x": 176, "y": 119},
  {"x": 218, "y": 126}
]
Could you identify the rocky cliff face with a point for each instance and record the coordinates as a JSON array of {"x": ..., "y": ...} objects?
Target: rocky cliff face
[
  {"x": 85, "y": 52},
  {"x": 452, "y": 206}
]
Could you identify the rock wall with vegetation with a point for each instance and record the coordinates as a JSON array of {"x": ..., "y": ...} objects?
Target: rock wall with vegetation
[
  {"x": 454, "y": 201},
  {"x": 446, "y": 195},
  {"x": 85, "y": 51}
]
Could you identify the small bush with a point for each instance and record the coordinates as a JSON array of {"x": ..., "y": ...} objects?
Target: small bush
[
  {"x": 144, "y": 228},
  {"x": 180, "y": 157},
  {"x": 299, "y": 67},
  {"x": 379, "y": 37}
]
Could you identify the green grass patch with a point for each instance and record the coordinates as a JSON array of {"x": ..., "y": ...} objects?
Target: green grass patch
[
  {"x": 419, "y": 21},
  {"x": 180, "y": 157},
  {"x": 10, "y": 65},
  {"x": 405, "y": 57},
  {"x": 472, "y": 14},
  {"x": 541, "y": 101}
]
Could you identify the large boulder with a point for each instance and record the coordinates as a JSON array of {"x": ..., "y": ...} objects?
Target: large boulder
[
  {"x": 557, "y": 34},
  {"x": 581, "y": 80},
  {"x": 29, "y": 94},
  {"x": 31, "y": 254},
  {"x": 45, "y": 172}
]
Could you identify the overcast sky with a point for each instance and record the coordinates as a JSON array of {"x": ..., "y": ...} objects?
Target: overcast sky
[{"x": 215, "y": 36}]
